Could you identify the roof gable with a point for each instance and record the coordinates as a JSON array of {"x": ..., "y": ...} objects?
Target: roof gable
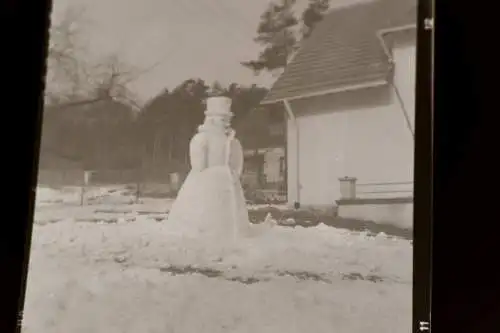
[{"x": 343, "y": 50}]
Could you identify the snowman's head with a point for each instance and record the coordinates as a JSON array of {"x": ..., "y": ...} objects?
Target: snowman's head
[{"x": 218, "y": 114}]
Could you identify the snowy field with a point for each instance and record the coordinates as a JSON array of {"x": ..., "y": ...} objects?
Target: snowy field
[{"x": 113, "y": 266}]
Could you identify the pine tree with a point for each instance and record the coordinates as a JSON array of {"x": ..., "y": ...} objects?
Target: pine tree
[
  {"x": 276, "y": 34},
  {"x": 313, "y": 14}
]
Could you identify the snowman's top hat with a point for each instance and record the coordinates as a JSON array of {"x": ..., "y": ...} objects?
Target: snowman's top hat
[{"x": 218, "y": 106}]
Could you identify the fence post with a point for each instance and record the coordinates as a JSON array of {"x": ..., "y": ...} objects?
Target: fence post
[
  {"x": 174, "y": 181},
  {"x": 139, "y": 176},
  {"x": 86, "y": 180}
]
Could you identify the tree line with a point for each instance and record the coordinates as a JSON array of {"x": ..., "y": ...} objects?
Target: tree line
[{"x": 110, "y": 134}]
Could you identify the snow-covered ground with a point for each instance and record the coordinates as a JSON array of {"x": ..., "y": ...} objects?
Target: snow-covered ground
[{"x": 114, "y": 266}]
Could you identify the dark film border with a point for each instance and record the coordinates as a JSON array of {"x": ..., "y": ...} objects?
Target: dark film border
[
  {"x": 423, "y": 170},
  {"x": 24, "y": 47}
]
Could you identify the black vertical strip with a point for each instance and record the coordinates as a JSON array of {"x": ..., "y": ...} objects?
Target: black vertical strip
[
  {"x": 465, "y": 296},
  {"x": 23, "y": 52},
  {"x": 422, "y": 215}
]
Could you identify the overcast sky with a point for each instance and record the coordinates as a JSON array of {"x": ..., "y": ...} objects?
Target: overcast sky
[{"x": 190, "y": 38}]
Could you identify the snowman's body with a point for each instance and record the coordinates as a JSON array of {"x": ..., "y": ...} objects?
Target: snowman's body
[{"x": 211, "y": 202}]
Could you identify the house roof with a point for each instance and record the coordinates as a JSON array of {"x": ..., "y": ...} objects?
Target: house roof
[{"x": 343, "y": 50}]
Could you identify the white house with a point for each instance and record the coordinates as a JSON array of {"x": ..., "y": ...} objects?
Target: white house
[{"x": 349, "y": 96}]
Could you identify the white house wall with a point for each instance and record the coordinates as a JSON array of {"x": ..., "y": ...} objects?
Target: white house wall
[
  {"x": 360, "y": 134},
  {"x": 322, "y": 159},
  {"x": 379, "y": 148}
]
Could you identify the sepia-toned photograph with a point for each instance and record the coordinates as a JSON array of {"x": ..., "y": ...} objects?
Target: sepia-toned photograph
[{"x": 226, "y": 166}]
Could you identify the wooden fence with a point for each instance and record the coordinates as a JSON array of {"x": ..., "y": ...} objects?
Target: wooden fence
[
  {"x": 73, "y": 177},
  {"x": 153, "y": 183}
]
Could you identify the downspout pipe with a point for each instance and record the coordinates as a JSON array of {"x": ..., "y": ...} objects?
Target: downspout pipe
[
  {"x": 292, "y": 117},
  {"x": 380, "y": 35}
]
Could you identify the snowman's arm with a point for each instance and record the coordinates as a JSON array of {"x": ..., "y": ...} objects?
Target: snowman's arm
[
  {"x": 237, "y": 159},
  {"x": 198, "y": 153}
]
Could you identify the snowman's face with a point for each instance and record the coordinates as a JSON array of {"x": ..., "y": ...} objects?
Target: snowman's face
[
  {"x": 222, "y": 122},
  {"x": 226, "y": 121},
  {"x": 216, "y": 122}
]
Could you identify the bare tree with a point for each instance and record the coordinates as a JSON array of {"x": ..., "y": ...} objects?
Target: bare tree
[
  {"x": 71, "y": 79},
  {"x": 65, "y": 70},
  {"x": 109, "y": 80}
]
